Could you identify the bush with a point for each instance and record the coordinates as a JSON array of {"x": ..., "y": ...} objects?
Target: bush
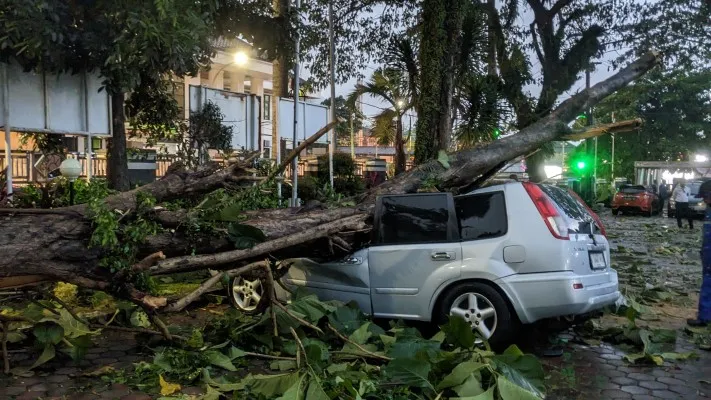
[
  {"x": 343, "y": 166},
  {"x": 56, "y": 193}
]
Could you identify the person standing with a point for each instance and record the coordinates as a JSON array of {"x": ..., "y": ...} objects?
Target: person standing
[
  {"x": 681, "y": 200},
  {"x": 703, "y": 317}
]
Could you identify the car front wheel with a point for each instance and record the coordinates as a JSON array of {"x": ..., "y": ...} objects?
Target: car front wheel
[
  {"x": 248, "y": 294},
  {"x": 483, "y": 308}
]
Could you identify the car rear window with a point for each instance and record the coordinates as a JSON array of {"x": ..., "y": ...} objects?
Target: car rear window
[
  {"x": 481, "y": 216},
  {"x": 632, "y": 189},
  {"x": 694, "y": 188},
  {"x": 580, "y": 220},
  {"x": 413, "y": 219}
]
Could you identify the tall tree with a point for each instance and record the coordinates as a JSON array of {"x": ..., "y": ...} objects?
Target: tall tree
[
  {"x": 391, "y": 87},
  {"x": 676, "y": 112}
]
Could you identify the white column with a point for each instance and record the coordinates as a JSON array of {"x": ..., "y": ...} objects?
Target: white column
[
  {"x": 257, "y": 86},
  {"x": 237, "y": 81}
]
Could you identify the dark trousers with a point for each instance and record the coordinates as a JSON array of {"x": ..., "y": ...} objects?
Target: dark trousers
[{"x": 682, "y": 211}]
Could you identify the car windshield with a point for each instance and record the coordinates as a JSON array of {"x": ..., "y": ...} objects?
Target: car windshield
[
  {"x": 581, "y": 221},
  {"x": 632, "y": 189},
  {"x": 694, "y": 188}
]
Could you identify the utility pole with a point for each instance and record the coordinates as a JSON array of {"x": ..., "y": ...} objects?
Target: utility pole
[
  {"x": 295, "y": 137},
  {"x": 352, "y": 138},
  {"x": 612, "y": 166},
  {"x": 332, "y": 62}
]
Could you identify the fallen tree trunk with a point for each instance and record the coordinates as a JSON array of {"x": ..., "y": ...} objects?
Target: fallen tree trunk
[{"x": 55, "y": 243}]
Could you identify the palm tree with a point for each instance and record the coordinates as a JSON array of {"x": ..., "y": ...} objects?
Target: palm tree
[{"x": 390, "y": 86}]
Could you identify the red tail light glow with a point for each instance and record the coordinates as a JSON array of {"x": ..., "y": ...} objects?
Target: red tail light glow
[{"x": 554, "y": 221}]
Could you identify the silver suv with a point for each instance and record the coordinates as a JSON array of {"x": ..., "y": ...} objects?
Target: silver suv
[{"x": 497, "y": 257}]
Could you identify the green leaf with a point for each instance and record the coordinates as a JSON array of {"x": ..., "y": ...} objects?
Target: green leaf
[
  {"x": 196, "y": 340},
  {"x": 679, "y": 356},
  {"x": 488, "y": 395},
  {"x": 140, "y": 319},
  {"x": 387, "y": 340},
  {"x": 310, "y": 306},
  {"x": 220, "y": 360},
  {"x": 409, "y": 372},
  {"x": 443, "y": 159},
  {"x": 234, "y": 352},
  {"x": 46, "y": 355},
  {"x": 271, "y": 385},
  {"x": 470, "y": 387},
  {"x": 282, "y": 365},
  {"x": 362, "y": 334},
  {"x": 459, "y": 374},
  {"x": 79, "y": 347},
  {"x": 411, "y": 348},
  {"x": 336, "y": 368},
  {"x": 459, "y": 333},
  {"x": 210, "y": 394},
  {"x": 48, "y": 333},
  {"x": 511, "y": 391},
  {"x": 15, "y": 337},
  {"x": 316, "y": 391},
  {"x": 346, "y": 319},
  {"x": 525, "y": 371},
  {"x": 296, "y": 391},
  {"x": 244, "y": 236}
]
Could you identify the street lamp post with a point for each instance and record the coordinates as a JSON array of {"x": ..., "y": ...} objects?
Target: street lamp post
[{"x": 71, "y": 169}]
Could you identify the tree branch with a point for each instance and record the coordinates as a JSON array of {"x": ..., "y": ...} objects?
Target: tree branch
[{"x": 537, "y": 46}]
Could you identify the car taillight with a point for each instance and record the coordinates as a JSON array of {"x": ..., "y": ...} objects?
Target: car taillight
[
  {"x": 596, "y": 217},
  {"x": 554, "y": 221}
]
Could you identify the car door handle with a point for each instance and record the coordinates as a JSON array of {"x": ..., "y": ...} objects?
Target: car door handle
[
  {"x": 352, "y": 260},
  {"x": 441, "y": 256}
]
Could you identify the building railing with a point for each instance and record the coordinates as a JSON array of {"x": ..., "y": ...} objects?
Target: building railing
[{"x": 23, "y": 170}]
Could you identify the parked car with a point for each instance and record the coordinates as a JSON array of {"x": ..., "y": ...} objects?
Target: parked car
[
  {"x": 636, "y": 199},
  {"x": 497, "y": 257},
  {"x": 697, "y": 206}
]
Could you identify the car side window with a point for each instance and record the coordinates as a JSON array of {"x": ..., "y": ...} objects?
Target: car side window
[
  {"x": 481, "y": 216},
  {"x": 413, "y": 219}
]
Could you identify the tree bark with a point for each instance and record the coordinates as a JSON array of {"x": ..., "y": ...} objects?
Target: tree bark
[
  {"x": 117, "y": 173},
  {"x": 399, "y": 147},
  {"x": 442, "y": 28},
  {"x": 54, "y": 243}
]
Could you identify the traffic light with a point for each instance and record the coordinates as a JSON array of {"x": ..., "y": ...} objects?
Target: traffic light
[
  {"x": 496, "y": 133},
  {"x": 581, "y": 165}
]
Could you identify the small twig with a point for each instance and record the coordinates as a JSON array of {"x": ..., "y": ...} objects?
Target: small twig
[
  {"x": 66, "y": 307},
  {"x": 269, "y": 357},
  {"x": 299, "y": 320},
  {"x": 161, "y": 326},
  {"x": 300, "y": 350},
  {"x": 271, "y": 296},
  {"x": 5, "y": 356},
  {"x": 359, "y": 347},
  {"x": 50, "y": 309},
  {"x": 354, "y": 354}
]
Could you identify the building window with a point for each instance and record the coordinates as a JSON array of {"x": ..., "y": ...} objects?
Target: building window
[{"x": 267, "y": 114}]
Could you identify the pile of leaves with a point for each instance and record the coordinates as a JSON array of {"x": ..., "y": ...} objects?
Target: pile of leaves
[
  {"x": 328, "y": 350},
  {"x": 643, "y": 345}
]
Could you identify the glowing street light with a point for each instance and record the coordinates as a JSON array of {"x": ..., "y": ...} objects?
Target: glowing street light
[
  {"x": 400, "y": 103},
  {"x": 241, "y": 58},
  {"x": 700, "y": 158}
]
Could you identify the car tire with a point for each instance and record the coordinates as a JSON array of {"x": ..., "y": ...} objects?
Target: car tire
[
  {"x": 501, "y": 325},
  {"x": 248, "y": 293}
]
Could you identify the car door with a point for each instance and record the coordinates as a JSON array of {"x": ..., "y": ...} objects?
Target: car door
[
  {"x": 416, "y": 248},
  {"x": 344, "y": 280}
]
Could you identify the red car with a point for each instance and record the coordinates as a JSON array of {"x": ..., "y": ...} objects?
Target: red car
[{"x": 636, "y": 199}]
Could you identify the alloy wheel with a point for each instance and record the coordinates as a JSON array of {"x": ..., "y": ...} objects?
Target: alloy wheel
[
  {"x": 478, "y": 311},
  {"x": 247, "y": 294}
]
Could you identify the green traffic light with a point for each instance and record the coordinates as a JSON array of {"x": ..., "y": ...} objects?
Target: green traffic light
[{"x": 581, "y": 164}]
